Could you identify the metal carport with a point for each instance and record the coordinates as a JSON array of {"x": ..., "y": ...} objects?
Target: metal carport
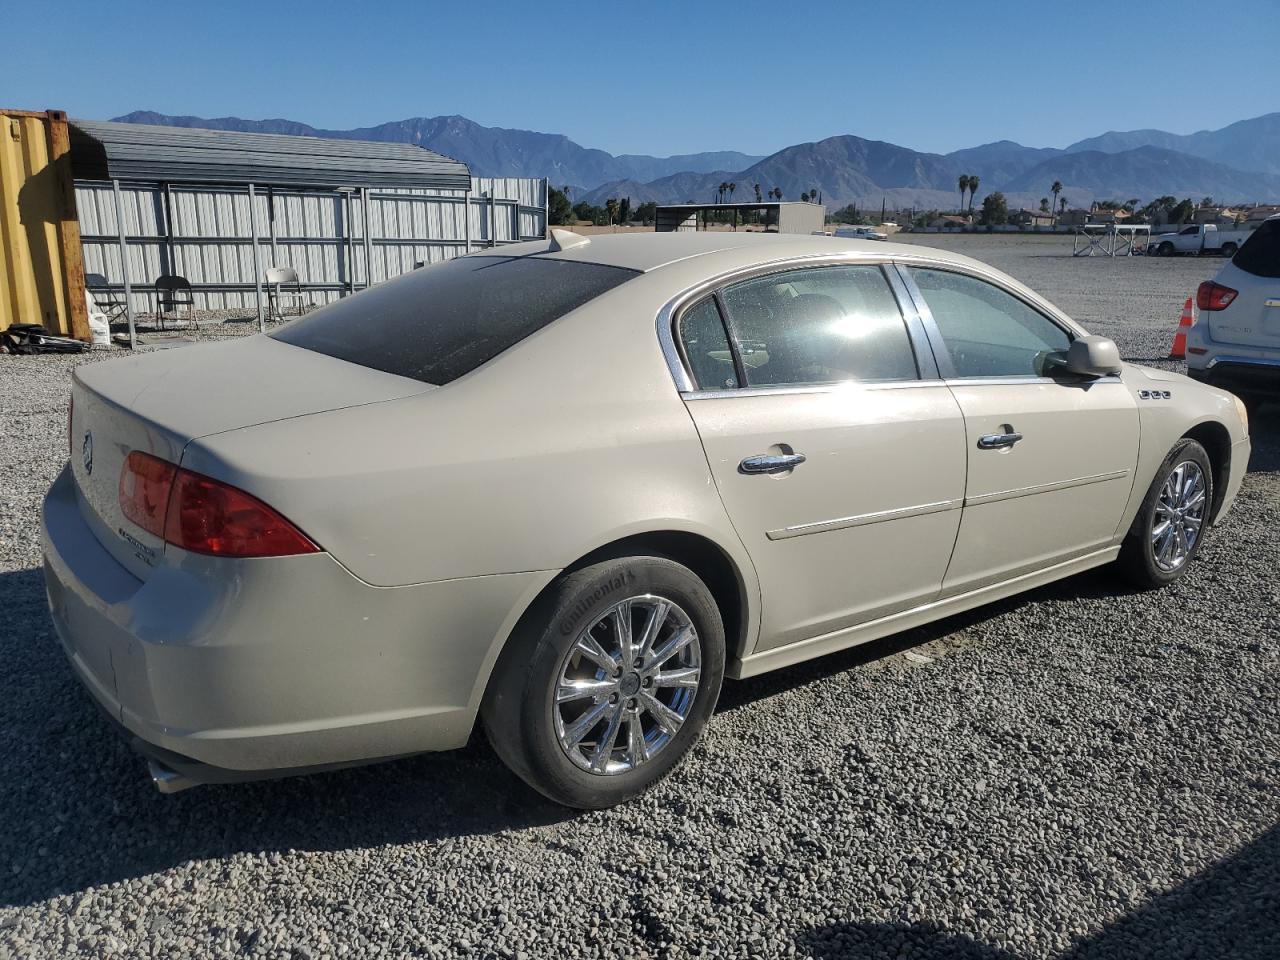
[{"x": 166, "y": 155}]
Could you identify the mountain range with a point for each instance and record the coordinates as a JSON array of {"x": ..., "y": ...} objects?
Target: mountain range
[{"x": 1239, "y": 162}]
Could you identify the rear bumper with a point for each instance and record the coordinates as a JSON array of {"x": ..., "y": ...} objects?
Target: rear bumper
[
  {"x": 1239, "y": 374},
  {"x": 240, "y": 669}
]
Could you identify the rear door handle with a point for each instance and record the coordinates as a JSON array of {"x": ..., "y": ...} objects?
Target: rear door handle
[
  {"x": 994, "y": 441},
  {"x": 773, "y": 463}
]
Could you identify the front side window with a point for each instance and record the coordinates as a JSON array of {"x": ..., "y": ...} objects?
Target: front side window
[
  {"x": 441, "y": 322},
  {"x": 819, "y": 325},
  {"x": 987, "y": 331}
]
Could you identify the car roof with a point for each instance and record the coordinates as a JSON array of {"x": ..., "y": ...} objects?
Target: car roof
[{"x": 646, "y": 252}]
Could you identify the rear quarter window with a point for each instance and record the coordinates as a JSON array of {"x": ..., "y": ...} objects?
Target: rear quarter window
[
  {"x": 441, "y": 322},
  {"x": 1260, "y": 254}
]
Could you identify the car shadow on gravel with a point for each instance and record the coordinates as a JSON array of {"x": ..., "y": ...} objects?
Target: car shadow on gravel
[
  {"x": 1231, "y": 909},
  {"x": 1098, "y": 584},
  {"x": 79, "y": 810}
]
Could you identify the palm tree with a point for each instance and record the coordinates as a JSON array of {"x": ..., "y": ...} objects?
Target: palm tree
[
  {"x": 759, "y": 195},
  {"x": 1062, "y": 205},
  {"x": 732, "y": 187},
  {"x": 611, "y": 205},
  {"x": 973, "y": 189},
  {"x": 963, "y": 183},
  {"x": 1044, "y": 204},
  {"x": 1055, "y": 190}
]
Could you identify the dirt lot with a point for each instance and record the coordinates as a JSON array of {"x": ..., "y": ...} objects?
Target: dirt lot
[{"x": 1082, "y": 772}]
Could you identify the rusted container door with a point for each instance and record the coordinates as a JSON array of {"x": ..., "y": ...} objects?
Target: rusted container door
[{"x": 41, "y": 263}]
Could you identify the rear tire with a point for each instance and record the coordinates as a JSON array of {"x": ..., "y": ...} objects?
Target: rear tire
[
  {"x": 1170, "y": 526},
  {"x": 1229, "y": 249},
  {"x": 586, "y": 704}
]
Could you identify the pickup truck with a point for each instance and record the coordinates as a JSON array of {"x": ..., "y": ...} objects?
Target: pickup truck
[{"x": 1197, "y": 238}]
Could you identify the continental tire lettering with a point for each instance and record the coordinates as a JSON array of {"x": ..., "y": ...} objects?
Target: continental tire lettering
[{"x": 584, "y": 605}]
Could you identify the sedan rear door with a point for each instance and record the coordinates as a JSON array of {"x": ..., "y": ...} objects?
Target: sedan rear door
[{"x": 841, "y": 467}]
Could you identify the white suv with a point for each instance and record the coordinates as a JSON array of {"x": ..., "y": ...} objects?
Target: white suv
[{"x": 1235, "y": 342}]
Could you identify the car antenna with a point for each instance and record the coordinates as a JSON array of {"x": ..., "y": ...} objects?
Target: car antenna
[{"x": 564, "y": 239}]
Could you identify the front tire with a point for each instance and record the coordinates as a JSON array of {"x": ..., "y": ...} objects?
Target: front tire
[
  {"x": 608, "y": 681},
  {"x": 1170, "y": 526},
  {"x": 1165, "y": 249}
]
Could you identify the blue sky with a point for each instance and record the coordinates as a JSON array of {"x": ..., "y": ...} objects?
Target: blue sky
[{"x": 665, "y": 78}]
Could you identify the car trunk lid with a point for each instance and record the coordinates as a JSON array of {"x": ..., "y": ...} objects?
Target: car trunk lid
[{"x": 158, "y": 402}]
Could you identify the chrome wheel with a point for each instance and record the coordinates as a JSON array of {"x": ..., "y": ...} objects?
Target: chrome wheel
[
  {"x": 626, "y": 686},
  {"x": 1178, "y": 516}
]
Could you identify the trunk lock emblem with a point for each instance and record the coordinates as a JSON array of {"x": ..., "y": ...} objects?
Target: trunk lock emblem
[{"x": 87, "y": 450}]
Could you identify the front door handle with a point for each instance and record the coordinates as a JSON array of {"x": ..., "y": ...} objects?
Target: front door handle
[
  {"x": 994, "y": 441},
  {"x": 772, "y": 463}
]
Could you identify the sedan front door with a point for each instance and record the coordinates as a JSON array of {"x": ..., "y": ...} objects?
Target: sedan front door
[
  {"x": 1050, "y": 459},
  {"x": 841, "y": 468}
]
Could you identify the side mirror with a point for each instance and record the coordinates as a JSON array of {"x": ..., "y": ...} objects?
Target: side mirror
[{"x": 1092, "y": 357}]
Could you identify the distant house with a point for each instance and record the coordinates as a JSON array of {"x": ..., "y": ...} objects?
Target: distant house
[
  {"x": 1214, "y": 214},
  {"x": 1109, "y": 216},
  {"x": 1252, "y": 217},
  {"x": 948, "y": 221},
  {"x": 1030, "y": 218},
  {"x": 1073, "y": 218}
]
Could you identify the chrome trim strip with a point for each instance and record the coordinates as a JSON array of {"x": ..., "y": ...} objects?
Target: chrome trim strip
[
  {"x": 814, "y": 388},
  {"x": 1021, "y": 381},
  {"x": 1043, "y": 488},
  {"x": 1243, "y": 361},
  {"x": 862, "y": 519}
]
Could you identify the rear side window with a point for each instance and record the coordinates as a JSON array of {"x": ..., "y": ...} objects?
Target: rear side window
[
  {"x": 706, "y": 347},
  {"x": 1260, "y": 254},
  {"x": 820, "y": 325},
  {"x": 441, "y": 322}
]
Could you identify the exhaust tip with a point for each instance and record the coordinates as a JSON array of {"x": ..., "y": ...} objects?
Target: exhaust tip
[{"x": 167, "y": 780}]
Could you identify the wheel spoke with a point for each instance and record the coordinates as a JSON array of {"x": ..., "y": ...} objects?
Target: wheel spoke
[
  {"x": 582, "y": 726},
  {"x": 657, "y": 617},
  {"x": 570, "y": 690},
  {"x": 1192, "y": 522},
  {"x": 637, "y": 747},
  {"x": 679, "y": 640},
  {"x": 622, "y": 631},
  {"x": 685, "y": 677},
  {"x": 590, "y": 648},
  {"x": 666, "y": 718},
  {"x": 604, "y": 746}
]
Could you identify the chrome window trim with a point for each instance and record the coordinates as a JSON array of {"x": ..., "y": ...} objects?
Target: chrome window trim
[
  {"x": 1242, "y": 361},
  {"x": 809, "y": 388},
  {"x": 1022, "y": 381},
  {"x": 669, "y": 313}
]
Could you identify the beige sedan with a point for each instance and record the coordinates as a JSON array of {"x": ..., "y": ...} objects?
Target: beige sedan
[{"x": 565, "y": 488}]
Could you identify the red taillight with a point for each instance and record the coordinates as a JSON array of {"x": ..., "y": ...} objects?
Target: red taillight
[
  {"x": 1214, "y": 296},
  {"x": 204, "y": 515},
  {"x": 145, "y": 485}
]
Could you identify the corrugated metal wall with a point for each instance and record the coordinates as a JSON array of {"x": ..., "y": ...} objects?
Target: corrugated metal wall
[{"x": 319, "y": 234}]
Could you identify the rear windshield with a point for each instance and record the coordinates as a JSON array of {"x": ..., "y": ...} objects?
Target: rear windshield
[
  {"x": 440, "y": 322},
  {"x": 1260, "y": 254}
]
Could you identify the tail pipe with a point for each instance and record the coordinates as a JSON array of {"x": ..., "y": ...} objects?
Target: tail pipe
[{"x": 168, "y": 780}]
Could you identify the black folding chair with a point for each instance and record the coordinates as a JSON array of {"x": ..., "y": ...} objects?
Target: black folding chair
[
  {"x": 110, "y": 303},
  {"x": 173, "y": 291}
]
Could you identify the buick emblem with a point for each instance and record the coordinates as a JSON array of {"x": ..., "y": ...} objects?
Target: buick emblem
[{"x": 87, "y": 450}]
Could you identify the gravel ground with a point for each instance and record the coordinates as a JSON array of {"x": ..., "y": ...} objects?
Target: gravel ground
[{"x": 1080, "y": 772}]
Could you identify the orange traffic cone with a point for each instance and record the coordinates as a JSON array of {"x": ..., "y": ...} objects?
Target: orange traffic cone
[{"x": 1179, "y": 349}]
